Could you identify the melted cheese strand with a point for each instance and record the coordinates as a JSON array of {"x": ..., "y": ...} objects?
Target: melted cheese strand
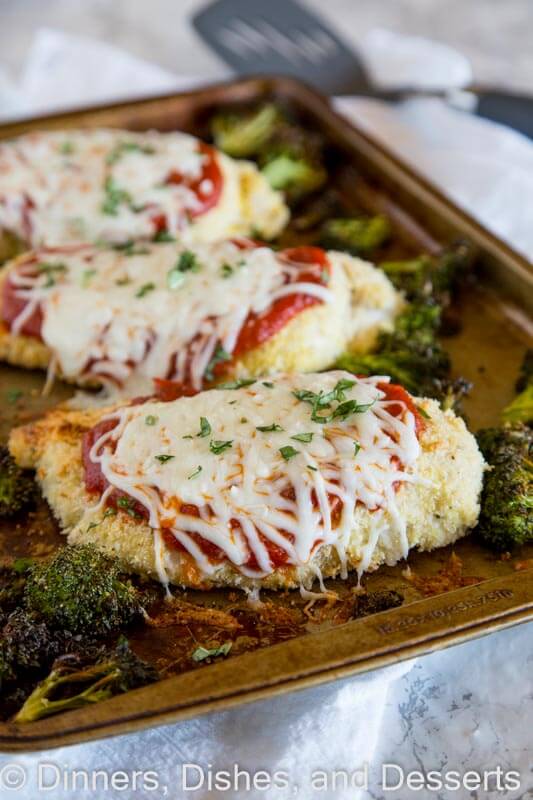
[
  {"x": 251, "y": 496},
  {"x": 161, "y": 313}
]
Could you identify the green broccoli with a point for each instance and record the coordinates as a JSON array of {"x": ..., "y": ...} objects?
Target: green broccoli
[
  {"x": 521, "y": 408},
  {"x": 82, "y": 591},
  {"x": 410, "y": 354},
  {"x": 12, "y": 583},
  {"x": 292, "y": 161},
  {"x": 242, "y": 134},
  {"x": 76, "y": 681},
  {"x": 17, "y": 487},
  {"x": 506, "y": 518},
  {"x": 433, "y": 277},
  {"x": 357, "y": 235}
]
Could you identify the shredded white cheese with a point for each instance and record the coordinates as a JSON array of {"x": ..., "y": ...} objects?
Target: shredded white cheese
[
  {"x": 258, "y": 488},
  {"x": 157, "y": 310},
  {"x": 89, "y": 185}
]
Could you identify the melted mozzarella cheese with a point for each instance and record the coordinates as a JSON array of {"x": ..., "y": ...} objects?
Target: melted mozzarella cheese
[
  {"x": 127, "y": 319},
  {"x": 255, "y": 488},
  {"x": 73, "y": 186}
]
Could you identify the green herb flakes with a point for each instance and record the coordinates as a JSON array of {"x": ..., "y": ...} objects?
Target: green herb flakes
[
  {"x": 205, "y": 428},
  {"x": 288, "y": 452},
  {"x": 195, "y": 473},
  {"x": 201, "y": 653},
  {"x": 151, "y": 419},
  {"x": 219, "y": 356},
  {"x": 114, "y": 197},
  {"x": 274, "y": 428},
  {"x": 145, "y": 289},
  {"x": 164, "y": 458},
  {"x": 303, "y": 437},
  {"x": 218, "y": 446}
]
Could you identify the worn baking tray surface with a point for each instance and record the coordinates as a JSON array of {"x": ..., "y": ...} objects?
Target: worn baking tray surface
[{"x": 469, "y": 598}]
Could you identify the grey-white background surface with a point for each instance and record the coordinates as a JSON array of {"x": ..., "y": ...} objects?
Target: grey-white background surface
[
  {"x": 466, "y": 708},
  {"x": 496, "y": 35}
]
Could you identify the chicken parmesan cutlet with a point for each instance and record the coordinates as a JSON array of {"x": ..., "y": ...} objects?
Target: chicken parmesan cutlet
[
  {"x": 271, "y": 483},
  {"x": 59, "y": 187},
  {"x": 124, "y": 316}
]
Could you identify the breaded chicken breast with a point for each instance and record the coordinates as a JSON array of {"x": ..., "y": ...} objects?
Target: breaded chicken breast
[
  {"x": 60, "y": 187},
  {"x": 271, "y": 484},
  {"x": 125, "y": 316}
]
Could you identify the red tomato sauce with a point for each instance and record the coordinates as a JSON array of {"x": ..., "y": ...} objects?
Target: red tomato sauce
[
  {"x": 207, "y": 186},
  {"x": 95, "y": 481},
  {"x": 12, "y": 306}
]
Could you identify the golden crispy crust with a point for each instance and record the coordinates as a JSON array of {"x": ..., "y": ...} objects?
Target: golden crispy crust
[{"x": 437, "y": 512}]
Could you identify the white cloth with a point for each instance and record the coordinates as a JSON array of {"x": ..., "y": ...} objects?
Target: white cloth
[{"x": 364, "y": 720}]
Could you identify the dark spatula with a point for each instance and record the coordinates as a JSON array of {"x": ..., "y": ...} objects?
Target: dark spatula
[{"x": 284, "y": 38}]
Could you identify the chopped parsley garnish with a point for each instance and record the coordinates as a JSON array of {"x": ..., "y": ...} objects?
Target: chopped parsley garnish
[
  {"x": 201, "y": 653},
  {"x": 288, "y": 452},
  {"x": 237, "y": 384},
  {"x": 46, "y": 268},
  {"x": 145, "y": 288},
  {"x": 195, "y": 473},
  {"x": 13, "y": 396},
  {"x": 187, "y": 436},
  {"x": 114, "y": 197},
  {"x": 205, "y": 428},
  {"x": 123, "y": 281},
  {"x": 109, "y": 512},
  {"x": 303, "y": 437},
  {"x": 356, "y": 448},
  {"x": 187, "y": 262},
  {"x": 226, "y": 270},
  {"x": 274, "y": 428},
  {"x": 324, "y": 400},
  {"x": 164, "y": 458},
  {"x": 131, "y": 248},
  {"x": 151, "y": 419},
  {"x": 86, "y": 277},
  {"x": 243, "y": 420},
  {"x": 219, "y": 356},
  {"x": 268, "y": 384},
  {"x": 313, "y": 469},
  {"x": 163, "y": 236},
  {"x": 423, "y": 412},
  {"x": 126, "y": 503},
  {"x": 66, "y": 148},
  {"x": 127, "y": 147},
  {"x": 218, "y": 446}
]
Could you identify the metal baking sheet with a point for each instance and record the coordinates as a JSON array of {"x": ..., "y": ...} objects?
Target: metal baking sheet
[{"x": 486, "y": 593}]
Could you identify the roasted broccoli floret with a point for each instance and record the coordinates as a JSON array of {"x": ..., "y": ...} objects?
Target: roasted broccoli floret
[
  {"x": 521, "y": 409},
  {"x": 76, "y": 681},
  {"x": 17, "y": 487},
  {"x": 292, "y": 161},
  {"x": 12, "y": 583},
  {"x": 357, "y": 235},
  {"x": 506, "y": 518},
  {"x": 26, "y": 645},
  {"x": 242, "y": 134},
  {"x": 410, "y": 355},
  {"x": 82, "y": 591},
  {"x": 430, "y": 276}
]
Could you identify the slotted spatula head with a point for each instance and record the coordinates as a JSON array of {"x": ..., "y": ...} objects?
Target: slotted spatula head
[{"x": 283, "y": 38}]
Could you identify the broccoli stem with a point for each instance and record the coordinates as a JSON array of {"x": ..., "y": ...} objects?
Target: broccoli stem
[{"x": 39, "y": 704}]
